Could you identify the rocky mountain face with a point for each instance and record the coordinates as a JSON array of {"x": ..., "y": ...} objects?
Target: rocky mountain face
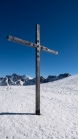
[{"x": 16, "y": 79}]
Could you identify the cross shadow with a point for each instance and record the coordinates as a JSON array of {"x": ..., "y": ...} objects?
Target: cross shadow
[{"x": 12, "y": 113}]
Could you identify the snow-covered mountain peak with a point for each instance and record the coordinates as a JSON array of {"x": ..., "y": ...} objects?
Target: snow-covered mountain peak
[{"x": 26, "y": 77}]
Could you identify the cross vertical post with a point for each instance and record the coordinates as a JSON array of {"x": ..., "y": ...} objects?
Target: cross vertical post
[{"x": 38, "y": 69}]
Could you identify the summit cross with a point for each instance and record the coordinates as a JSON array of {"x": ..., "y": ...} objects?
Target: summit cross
[{"x": 38, "y": 47}]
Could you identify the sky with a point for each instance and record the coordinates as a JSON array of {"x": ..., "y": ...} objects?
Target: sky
[{"x": 58, "y": 21}]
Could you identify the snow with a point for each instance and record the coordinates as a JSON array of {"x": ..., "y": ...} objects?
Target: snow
[{"x": 59, "y": 111}]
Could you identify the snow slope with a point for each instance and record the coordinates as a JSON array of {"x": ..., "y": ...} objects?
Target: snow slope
[{"x": 59, "y": 111}]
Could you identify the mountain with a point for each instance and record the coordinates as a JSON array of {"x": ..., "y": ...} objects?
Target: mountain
[
  {"x": 26, "y": 77},
  {"x": 16, "y": 79},
  {"x": 4, "y": 81}
]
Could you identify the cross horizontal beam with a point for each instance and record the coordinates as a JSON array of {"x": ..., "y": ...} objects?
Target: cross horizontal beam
[{"x": 27, "y": 43}]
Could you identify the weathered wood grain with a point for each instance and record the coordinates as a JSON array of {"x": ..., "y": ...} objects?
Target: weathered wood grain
[
  {"x": 27, "y": 43},
  {"x": 20, "y": 41},
  {"x": 38, "y": 70},
  {"x": 48, "y": 50}
]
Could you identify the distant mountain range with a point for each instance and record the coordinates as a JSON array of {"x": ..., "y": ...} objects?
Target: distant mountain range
[{"x": 18, "y": 80}]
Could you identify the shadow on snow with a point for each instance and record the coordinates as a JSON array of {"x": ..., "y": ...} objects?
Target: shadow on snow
[{"x": 12, "y": 113}]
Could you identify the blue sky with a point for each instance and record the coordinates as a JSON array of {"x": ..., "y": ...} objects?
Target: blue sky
[{"x": 58, "y": 21}]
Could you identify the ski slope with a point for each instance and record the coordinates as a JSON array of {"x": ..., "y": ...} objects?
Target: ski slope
[{"x": 59, "y": 111}]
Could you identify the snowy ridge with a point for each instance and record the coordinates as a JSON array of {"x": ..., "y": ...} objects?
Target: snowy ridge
[
  {"x": 26, "y": 77},
  {"x": 16, "y": 79},
  {"x": 59, "y": 111}
]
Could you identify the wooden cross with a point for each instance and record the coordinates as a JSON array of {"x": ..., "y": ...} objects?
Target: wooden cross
[{"x": 38, "y": 48}]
